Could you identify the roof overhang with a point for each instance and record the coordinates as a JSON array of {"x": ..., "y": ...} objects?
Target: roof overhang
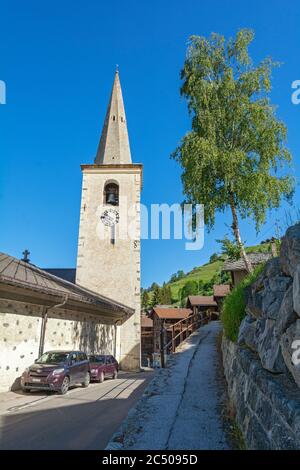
[{"x": 10, "y": 290}]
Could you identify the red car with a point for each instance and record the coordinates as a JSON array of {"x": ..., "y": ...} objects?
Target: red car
[
  {"x": 102, "y": 366},
  {"x": 57, "y": 371}
]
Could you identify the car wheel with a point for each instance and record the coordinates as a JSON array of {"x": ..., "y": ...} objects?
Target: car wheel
[
  {"x": 115, "y": 376},
  {"x": 64, "y": 386},
  {"x": 87, "y": 380},
  {"x": 101, "y": 377}
]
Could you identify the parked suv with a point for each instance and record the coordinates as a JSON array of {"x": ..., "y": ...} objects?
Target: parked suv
[
  {"x": 57, "y": 371},
  {"x": 103, "y": 366}
]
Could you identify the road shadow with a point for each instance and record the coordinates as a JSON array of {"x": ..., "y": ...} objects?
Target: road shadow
[{"x": 73, "y": 421}]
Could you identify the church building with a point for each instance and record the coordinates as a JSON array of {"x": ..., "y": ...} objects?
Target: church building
[
  {"x": 108, "y": 259},
  {"x": 95, "y": 307}
]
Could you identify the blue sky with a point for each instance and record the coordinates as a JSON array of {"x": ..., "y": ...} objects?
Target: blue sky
[{"x": 58, "y": 60}]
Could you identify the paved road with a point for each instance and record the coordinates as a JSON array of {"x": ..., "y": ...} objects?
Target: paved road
[
  {"x": 186, "y": 397},
  {"x": 82, "y": 419}
]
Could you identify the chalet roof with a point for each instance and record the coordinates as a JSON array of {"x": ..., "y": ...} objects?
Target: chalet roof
[
  {"x": 202, "y": 300},
  {"x": 239, "y": 265},
  {"x": 221, "y": 290},
  {"x": 146, "y": 322},
  {"x": 23, "y": 275},
  {"x": 172, "y": 313}
]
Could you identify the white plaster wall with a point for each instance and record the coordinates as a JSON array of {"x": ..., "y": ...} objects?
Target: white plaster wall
[
  {"x": 77, "y": 331},
  {"x": 20, "y": 327}
]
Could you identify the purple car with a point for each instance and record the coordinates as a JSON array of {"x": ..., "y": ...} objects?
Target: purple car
[
  {"x": 57, "y": 371},
  {"x": 103, "y": 366}
]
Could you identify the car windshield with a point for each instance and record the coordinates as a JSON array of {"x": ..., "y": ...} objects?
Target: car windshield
[
  {"x": 53, "y": 358},
  {"x": 98, "y": 359}
]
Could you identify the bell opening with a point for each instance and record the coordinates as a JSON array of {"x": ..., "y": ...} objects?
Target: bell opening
[{"x": 111, "y": 194}]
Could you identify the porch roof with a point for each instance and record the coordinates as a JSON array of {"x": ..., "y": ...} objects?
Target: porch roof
[{"x": 24, "y": 281}]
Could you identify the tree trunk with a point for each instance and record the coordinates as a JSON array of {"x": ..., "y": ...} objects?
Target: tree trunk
[{"x": 236, "y": 231}]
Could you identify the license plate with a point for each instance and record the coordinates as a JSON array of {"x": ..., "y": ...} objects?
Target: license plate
[{"x": 35, "y": 380}]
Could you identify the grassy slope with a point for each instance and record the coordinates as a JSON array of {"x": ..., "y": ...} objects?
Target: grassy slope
[
  {"x": 203, "y": 273},
  {"x": 208, "y": 270}
]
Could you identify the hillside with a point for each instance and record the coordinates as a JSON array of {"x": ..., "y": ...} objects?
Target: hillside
[{"x": 206, "y": 274}]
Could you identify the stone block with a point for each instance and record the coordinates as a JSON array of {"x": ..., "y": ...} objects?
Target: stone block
[
  {"x": 283, "y": 438},
  {"x": 269, "y": 350},
  {"x": 247, "y": 332},
  {"x": 290, "y": 250},
  {"x": 256, "y": 437},
  {"x": 286, "y": 316},
  {"x": 264, "y": 409},
  {"x": 296, "y": 290}
]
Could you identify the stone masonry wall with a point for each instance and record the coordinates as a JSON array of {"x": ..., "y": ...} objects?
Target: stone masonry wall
[
  {"x": 267, "y": 405},
  {"x": 263, "y": 368},
  {"x": 20, "y": 327}
]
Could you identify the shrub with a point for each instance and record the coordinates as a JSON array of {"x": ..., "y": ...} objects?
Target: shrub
[{"x": 233, "y": 310}]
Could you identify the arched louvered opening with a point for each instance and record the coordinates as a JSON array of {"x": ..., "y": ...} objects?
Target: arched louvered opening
[{"x": 111, "y": 194}]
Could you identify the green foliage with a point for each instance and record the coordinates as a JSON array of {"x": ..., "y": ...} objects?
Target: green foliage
[
  {"x": 145, "y": 299},
  {"x": 207, "y": 288},
  {"x": 160, "y": 295},
  {"x": 225, "y": 277},
  {"x": 165, "y": 295},
  {"x": 154, "y": 285},
  {"x": 189, "y": 288},
  {"x": 214, "y": 257},
  {"x": 278, "y": 245},
  {"x": 233, "y": 309},
  {"x": 232, "y": 155},
  {"x": 177, "y": 276},
  {"x": 229, "y": 248},
  {"x": 155, "y": 300}
]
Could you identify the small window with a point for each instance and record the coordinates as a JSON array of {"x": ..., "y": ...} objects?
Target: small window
[{"x": 114, "y": 118}]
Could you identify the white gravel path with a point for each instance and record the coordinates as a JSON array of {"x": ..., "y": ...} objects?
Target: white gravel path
[{"x": 180, "y": 408}]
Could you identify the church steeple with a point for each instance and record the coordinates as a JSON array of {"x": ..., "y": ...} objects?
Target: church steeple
[{"x": 114, "y": 143}]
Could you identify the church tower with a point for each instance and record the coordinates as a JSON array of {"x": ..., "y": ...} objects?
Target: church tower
[{"x": 108, "y": 260}]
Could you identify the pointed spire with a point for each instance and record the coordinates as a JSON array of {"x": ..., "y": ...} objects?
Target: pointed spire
[{"x": 114, "y": 143}]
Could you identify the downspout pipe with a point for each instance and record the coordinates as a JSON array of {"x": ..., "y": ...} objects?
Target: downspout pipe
[
  {"x": 117, "y": 323},
  {"x": 44, "y": 322}
]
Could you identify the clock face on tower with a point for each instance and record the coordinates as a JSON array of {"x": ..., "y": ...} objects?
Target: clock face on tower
[{"x": 110, "y": 217}]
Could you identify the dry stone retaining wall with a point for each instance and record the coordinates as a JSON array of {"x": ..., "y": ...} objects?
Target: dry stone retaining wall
[{"x": 262, "y": 374}]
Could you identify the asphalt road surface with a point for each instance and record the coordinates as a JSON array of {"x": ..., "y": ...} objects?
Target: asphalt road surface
[{"x": 81, "y": 419}]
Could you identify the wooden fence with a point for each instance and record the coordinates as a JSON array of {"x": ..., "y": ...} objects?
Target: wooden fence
[{"x": 179, "y": 332}]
